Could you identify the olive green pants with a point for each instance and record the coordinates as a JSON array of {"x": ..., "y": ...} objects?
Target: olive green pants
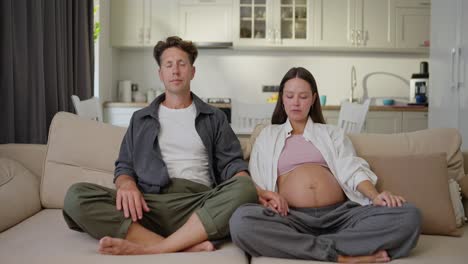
[{"x": 91, "y": 208}]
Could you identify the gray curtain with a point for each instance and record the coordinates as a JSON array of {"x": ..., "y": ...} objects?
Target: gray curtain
[{"x": 47, "y": 55}]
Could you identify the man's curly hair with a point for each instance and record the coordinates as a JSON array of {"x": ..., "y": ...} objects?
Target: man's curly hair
[{"x": 176, "y": 42}]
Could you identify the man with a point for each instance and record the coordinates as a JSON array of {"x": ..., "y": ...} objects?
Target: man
[{"x": 179, "y": 175}]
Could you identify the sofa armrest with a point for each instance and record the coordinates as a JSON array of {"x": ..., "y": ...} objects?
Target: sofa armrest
[
  {"x": 31, "y": 156},
  {"x": 19, "y": 193}
]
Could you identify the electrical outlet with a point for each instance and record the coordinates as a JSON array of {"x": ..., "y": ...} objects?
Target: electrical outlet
[{"x": 270, "y": 88}]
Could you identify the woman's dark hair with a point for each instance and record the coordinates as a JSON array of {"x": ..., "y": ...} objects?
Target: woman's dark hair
[
  {"x": 315, "y": 112},
  {"x": 176, "y": 42}
]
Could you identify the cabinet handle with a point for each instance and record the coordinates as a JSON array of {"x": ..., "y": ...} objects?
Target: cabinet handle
[
  {"x": 141, "y": 35},
  {"x": 353, "y": 37},
  {"x": 452, "y": 66},
  {"x": 277, "y": 36},
  {"x": 148, "y": 35},
  {"x": 270, "y": 35},
  {"x": 365, "y": 37},
  {"x": 459, "y": 80},
  {"x": 359, "y": 37},
  {"x": 424, "y": 3}
]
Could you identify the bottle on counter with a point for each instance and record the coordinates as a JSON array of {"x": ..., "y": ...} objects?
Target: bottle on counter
[
  {"x": 150, "y": 95},
  {"x": 125, "y": 91}
]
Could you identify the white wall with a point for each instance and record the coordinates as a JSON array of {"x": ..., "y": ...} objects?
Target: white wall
[
  {"x": 108, "y": 57},
  {"x": 240, "y": 74}
]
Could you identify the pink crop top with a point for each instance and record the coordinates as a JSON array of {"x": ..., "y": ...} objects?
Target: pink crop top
[{"x": 298, "y": 151}]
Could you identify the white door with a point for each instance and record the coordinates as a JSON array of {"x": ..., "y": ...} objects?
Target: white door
[
  {"x": 206, "y": 22},
  {"x": 375, "y": 23},
  {"x": 413, "y": 27},
  {"x": 127, "y": 23},
  {"x": 334, "y": 23},
  {"x": 443, "y": 94}
]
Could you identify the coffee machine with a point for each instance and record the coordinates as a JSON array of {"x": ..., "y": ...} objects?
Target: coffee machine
[{"x": 419, "y": 84}]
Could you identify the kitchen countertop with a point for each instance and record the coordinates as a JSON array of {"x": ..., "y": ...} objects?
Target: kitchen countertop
[
  {"x": 385, "y": 108},
  {"x": 391, "y": 108},
  {"x": 135, "y": 104}
]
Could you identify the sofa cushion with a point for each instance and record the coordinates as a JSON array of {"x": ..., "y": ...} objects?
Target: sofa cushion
[
  {"x": 422, "y": 180},
  {"x": 79, "y": 150},
  {"x": 435, "y": 140},
  {"x": 45, "y": 238},
  {"x": 19, "y": 193},
  {"x": 31, "y": 156}
]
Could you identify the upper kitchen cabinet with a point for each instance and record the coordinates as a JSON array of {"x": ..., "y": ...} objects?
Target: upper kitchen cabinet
[
  {"x": 413, "y": 19},
  {"x": 273, "y": 23},
  {"x": 208, "y": 21},
  {"x": 355, "y": 23},
  {"x": 142, "y": 23}
]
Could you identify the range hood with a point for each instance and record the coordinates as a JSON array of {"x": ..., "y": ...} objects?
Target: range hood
[{"x": 213, "y": 45}]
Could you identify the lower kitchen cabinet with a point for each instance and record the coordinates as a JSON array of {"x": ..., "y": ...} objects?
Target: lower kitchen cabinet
[
  {"x": 119, "y": 116},
  {"x": 382, "y": 122},
  {"x": 386, "y": 122},
  {"x": 414, "y": 121},
  {"x": 331, "y": 116}
]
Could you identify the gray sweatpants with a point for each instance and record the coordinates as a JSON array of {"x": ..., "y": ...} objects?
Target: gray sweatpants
[{"x": 347, "y": 229}]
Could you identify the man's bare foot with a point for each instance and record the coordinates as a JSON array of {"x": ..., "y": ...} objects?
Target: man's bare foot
[
  {"x": 379, "y": 257},
  {"x": 117, "y": 246},
  {"x": 203, "y": 246}
]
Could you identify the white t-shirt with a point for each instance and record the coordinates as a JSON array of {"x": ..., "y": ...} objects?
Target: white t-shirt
[{"x": 182, "y": 148}]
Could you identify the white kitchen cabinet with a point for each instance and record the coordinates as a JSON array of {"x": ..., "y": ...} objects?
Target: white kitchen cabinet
[
  {"x": 331, "y": 116},
  {"x": 119, "y": 116},
  {"x": 413, "y": 121},
  {"x": 355, "y": 23},
  {"x": 205, "y": 20},
  {"x": 386, "y": 122},
  {"x": 383, "y": 122},
  {"x": 286, "y": 23},
  {"x": 142, "y": 23},
  {"x": 413, "y": 22},
  {"x": 448, "y": 71}
]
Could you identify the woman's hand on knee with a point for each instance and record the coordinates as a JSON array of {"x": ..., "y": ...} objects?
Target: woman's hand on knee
[
  {"x": 274, "y": 201},
  {"x": 386, "y": 198}
]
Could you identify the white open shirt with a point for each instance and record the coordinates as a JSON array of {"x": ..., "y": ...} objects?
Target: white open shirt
[{"x": 336, "y": 148}]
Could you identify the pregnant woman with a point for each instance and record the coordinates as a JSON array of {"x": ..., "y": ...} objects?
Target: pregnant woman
[{"x": 318, "y": 199}]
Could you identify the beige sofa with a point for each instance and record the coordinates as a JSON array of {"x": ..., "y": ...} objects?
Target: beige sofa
[{"x": 34, "y": 179}]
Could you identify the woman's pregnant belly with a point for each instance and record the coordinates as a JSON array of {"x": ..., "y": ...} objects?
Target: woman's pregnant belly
[{"x": 310, "y": 185}]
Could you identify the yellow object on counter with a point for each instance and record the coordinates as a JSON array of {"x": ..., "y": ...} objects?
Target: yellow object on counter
[{"x": 273, "y": 98}]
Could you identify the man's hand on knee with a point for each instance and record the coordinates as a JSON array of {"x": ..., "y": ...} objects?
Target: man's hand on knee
[{"x": 129, "y": 198}]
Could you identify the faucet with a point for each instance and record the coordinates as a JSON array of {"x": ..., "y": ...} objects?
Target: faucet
[{"x": 353, "y": 83}]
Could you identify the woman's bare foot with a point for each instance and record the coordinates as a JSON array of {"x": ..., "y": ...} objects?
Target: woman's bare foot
[
  {"x": 379, "y": 257},
  {"x": 117, "y": 246},
  {"x": 203, "y": 246}
]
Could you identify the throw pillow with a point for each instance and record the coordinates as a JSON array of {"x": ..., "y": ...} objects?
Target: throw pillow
[
  {"x": 434, "y": 140},
  {"x": 422, "y": 180},
  {"x": 19, "y": 193}
]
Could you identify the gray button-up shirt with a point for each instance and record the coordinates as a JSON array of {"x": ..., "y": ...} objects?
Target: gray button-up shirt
[{"x": 140, "y": 155}]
